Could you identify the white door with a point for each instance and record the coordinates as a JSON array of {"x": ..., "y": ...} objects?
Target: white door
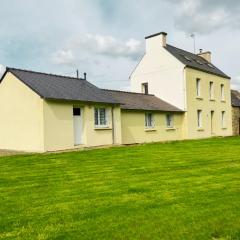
[{"x": 77, "y": 126}]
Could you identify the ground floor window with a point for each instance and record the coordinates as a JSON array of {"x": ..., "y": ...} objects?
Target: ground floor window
[
  {"x": 199, "y": 118},
  {"x": 223, "y": 119},
  {"x": 169, "y": 120},
  {"x": 149, "y": 122},
  {"x": 100, "y": 116}
]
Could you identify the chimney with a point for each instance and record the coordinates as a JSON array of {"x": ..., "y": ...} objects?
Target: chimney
[
  {"x": 156, "y": 41},
  {"x": 206, "y": 55},
  {"x": 85, "y": 76}
]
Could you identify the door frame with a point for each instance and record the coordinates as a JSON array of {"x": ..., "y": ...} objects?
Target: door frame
[{"x": 81, "y": 125}]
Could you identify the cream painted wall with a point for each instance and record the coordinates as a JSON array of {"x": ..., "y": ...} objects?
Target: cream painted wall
[
  {"x": 134, "y": 131},
  {"x": 58, "y": 126},
  {"x": 206, "y": 105},
  {"x": 94, "y": 136},
  {"x": 163, "y": 72},
  {"x": 21, "y": 121}
]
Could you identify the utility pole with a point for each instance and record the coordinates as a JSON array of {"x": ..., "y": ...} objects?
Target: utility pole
[{"x": 194, "y": 42}]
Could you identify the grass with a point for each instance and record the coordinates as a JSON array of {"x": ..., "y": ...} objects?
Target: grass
[{"x": 179, "y": 190}]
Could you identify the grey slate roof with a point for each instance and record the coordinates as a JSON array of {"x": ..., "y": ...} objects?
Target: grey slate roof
[
  {"x": 235, "y": 97},
  {"x": 139, "y": 101},
  {"x": 50, "y": 86},
  {"x": 55, "y": 87},
  {"x": 192, "y": 60}
]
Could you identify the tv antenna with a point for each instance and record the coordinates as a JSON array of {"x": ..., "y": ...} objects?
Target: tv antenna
[{"x": 194, "y": 42}]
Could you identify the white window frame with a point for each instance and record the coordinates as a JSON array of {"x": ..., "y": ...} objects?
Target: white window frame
[
  {"x": 98, "y": 122},
  {"x": 198, "y": 87},
  {"x": 222, "y": 92},
  {"x": 223, "y": 119},
  {"x": 170, "y": 120},
  {"x": 199, "y": 118},
  {"x": 211, "y": 90},
  {"x": 149, "y": 121}
]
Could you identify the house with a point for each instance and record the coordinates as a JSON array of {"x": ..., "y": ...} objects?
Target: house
[
  {"x": 191, "y": 82},
  {"x": 175, "y": 95},
  {"x": 235, "y": 112},
  {"x": 42, "y": 112}
]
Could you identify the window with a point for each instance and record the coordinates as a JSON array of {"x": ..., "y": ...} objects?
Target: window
[
  {"x": 145, "y": 88},
  {"x": 222, "y": 92},
  {"x": 149, "y": 123},
  {"x": 199, "y": 118},
  {"x": 187, "y": 58},
  {"x": 198, "y": 80},
  {"x": 211, "y": 92},
  {"x": 223, "y": 119},
  {"x": 100, "y": 115},
  {"x": 169, "y": 120},
  {"x": 76, "y": 111}
]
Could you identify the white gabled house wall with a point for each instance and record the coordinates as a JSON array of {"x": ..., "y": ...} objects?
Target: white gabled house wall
[{"x": 162, "y": 71}]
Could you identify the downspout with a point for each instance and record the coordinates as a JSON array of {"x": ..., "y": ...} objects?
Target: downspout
[{"x": 113, "y": 127}]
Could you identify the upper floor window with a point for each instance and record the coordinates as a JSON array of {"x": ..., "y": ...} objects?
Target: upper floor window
[
  {"x": 145, "y": 88},
  {"x": 169, "y": 120},
  {"x": 211, "y": 91},
  {"x": 222, "y": 92},
  {"x": 199, "y": 118},
  {"x": 198, "y": 87},
  {"x": 223, "y": 119},
  {"x": 149, "y": 121},
  {"x": 100, "y": 117}
]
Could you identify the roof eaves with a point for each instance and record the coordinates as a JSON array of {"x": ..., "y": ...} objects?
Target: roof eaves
[{"x": 206, "y": 71}]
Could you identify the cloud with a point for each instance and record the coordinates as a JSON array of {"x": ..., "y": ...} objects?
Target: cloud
[
  {"x": 204, "y": 16},
  {"x": 2, "y": 70},
  {"x": 64, "y": 57},
  {"x": 102, "y": 45},
  {"x": 235, "y": 83}
]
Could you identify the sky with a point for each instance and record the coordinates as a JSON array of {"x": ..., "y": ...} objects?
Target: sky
[{"x": 105, "y": 38}]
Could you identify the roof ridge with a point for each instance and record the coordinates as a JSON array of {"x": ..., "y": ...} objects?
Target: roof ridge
[
  {"x": 127, "y": 92},
  {"x": 44, "y": 73}
]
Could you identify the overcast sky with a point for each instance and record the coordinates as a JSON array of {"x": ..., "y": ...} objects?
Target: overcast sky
[{"x": 105, "y": 38}]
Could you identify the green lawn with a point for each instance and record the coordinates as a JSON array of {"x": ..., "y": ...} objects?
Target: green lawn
[{"x": 179, "y": 190}]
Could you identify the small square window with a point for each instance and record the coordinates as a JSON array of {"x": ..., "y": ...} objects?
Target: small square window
[
  {"x": 100, "y": 117},
  {"x": 76, "y": 111}
]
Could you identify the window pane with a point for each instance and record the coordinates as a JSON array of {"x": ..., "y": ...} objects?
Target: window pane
[
  {"x": 76, "y": 112},
  {"x": 199, "y": 118},
  {"x": 222, "y": 92},
  {"x": 96, "y": 116},
  {"x": 102, "y": 112},
  {"x": 198, "y": 87},
  {"x": 223, "y": 119},
  {"x": 169, "y": 120},
  {"x": 149, "y": 120}
]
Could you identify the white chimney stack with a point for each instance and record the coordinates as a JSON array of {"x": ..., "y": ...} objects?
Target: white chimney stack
[{"x": 156, "y": 41}]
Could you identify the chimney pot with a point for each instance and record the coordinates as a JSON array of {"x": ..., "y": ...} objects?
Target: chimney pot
[
  {"x": 85, "y": 76},
  {"x": 200, "y": 50}
]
